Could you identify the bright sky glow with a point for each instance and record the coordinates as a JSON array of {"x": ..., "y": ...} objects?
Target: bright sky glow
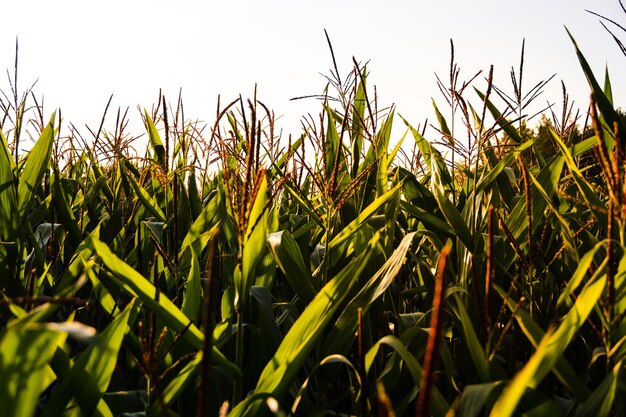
[{"x": 81, "y": 52}]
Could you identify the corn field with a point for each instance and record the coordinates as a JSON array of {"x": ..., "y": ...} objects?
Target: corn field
[{"x": 225, "y": 270}]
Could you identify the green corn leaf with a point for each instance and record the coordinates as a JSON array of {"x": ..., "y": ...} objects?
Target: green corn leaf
[
  {"x": 304, "y": 204},
  {"x": 8, "y": 220},
  {"x": 448, "y": 209},
  {"x": 64, "y": 211},
  {"x": 620, "y": 299},
  {"x": 155, "y": 141},
  {"x": 485, "y": 370},
  {"x": 476, "y": 396},
  {"x": 566, "y": 233},
  {"x": 305, "y": 332},
  {"x": 517, "y": 221},
  {"x": 287, "y": 255},
  {"x": 348, "y": 231},
  {"x": 608, "y": 90},
  {"x": 502, "y": 164},
  {"x": 200, "y": 229},
  {"x": 550, "y": 349},
  {"x": 90, "y": 375},
  {"x": 332, "y": 150},
  {"x": 443, "y": 125},
  {"x": 584, "y": 266},
  {"x": 583, "y": 146},
  {"x": 5, "y": 155},
  {"x": 591, "y": 198},
  {"x": 254, "y": 243},
  {"x": 358, "y": 121},
  {"x": 381, "y": 141},
  {"x": 104, "y": 297},
  {"x": 505, "y": 191},
  {"x": 562, "y": 369},
  {"x": 266, "y": 321},
  {"x": 25, "y": 351},
  {"x": 423, "y": 145},
  {"x": 344, "y": 329},
  {"x": 439, "y": 407},
  {"x": 193, "y": 293},
  {"x": 35, "y": 167},
  {"x": 181, "y": 381},
  {"x": 146, "y": 200},
  {"x": 603, "y": 102},
  {"x": 433, "y": 222},
  {"x": 195, "y": 203},
  {"x": 392, "y": 155},
  {"x": 600, "y": 402},
  {"x": 133, "y": 283},
  {"x": 266, "y": 271},
  {"x": 508, "y": 401},
  {"x": 226, "y": 216},
  {"x": 504, "y": 124}
]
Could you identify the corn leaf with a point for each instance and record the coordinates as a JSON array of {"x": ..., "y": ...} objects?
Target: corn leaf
[
  {"x": 485, "y": 370},
  {"x": 155, "y": 140},
  {"x": 200, "y": 229},
  {"x": 475, "y": 397},
  {"x": 343, "y": 331},
  {"x": 305, "y": 332},
  {"x": 193, "y": 293},
  {"x": 591, "y": 198},
  {"x": 348, "y": 231},
  {"x": 562, "y": 369},
  {"x": 604, "y": 103},
  {"x": 550, "y": 349},
  {"x": 358, "y": 120},
  {"x": 25, "y": 352},
  {"x": 439, "y": 406},
  {"x": 287, "y": 255},
  {"x": 35, "y": 167},
  {"x": 8, "y": 220},
  {"x": 90, "y": 375},
  {"x": 504, "y": 124},
  {"x": 146, "y": 200},
  {"x": 254, "y": 242},
  {"x": 133, "y": 283},
  {"x": 601, "y": 400},
  {"x": 450, "y": 212},
  {"x": 443, "y": 125}
]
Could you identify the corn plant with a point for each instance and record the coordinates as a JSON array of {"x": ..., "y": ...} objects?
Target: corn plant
[{"x": 226, "y": 270}]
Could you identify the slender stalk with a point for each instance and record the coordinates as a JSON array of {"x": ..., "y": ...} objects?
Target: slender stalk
[
  {"x": 434, "y": 338},
  {"x": 489, "y": 274},
  {"x": 385, "y": 408},
  {"x": 529, "y": 220},
  {"x": 166, "y": 164},
  {"x": 453, "y": 104},
  {"x": 604, "y": 160},
  {"x": 610, "y": 274},
  {"x": 207, "y": 327},
  {"x": 19, "y": 110},
  {"x": 238, "y": 385},
  {"x": 364, "y": 389},
  {"x": 482, "y": 138}
]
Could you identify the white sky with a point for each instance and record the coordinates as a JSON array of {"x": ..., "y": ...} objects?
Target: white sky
[{"x": 83, "y": 51}]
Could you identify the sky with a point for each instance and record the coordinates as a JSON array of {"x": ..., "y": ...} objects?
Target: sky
[{"x": 81, "y": 52}]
